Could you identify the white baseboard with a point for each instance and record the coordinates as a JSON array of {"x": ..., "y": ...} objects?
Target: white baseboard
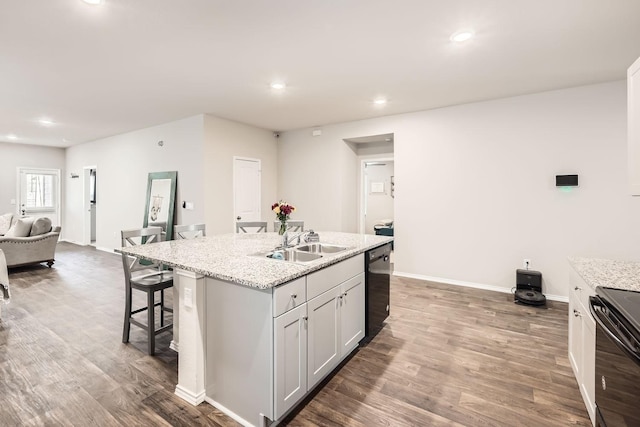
[
  {"x": 484, "y": 286},
  {"x": 174, "y": 346},
  {"x": 228, "y": 412},
  {"x": 193, "y": 398},
  {"x": 100, "y": 248},
  {"x": 75, "y": 242}
]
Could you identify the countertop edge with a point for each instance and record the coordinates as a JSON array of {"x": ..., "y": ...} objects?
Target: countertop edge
[{"x": 304, "y": 270}]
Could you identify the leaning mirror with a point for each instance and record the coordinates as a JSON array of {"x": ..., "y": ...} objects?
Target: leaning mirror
[{"x": 161, "y": 199}]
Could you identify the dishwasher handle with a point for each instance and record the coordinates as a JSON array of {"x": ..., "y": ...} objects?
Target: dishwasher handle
[{"x": 614, "y": 329}]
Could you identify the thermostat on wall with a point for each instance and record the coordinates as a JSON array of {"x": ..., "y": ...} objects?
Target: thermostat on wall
[{"x": 566, "y": 180}]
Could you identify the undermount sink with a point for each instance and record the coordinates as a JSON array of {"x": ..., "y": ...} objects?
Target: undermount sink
[
  {"x": 318, "y": 248},
  {"x": 293, "y": 255}
]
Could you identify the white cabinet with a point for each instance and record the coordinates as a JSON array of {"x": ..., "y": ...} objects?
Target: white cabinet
[
  {"x": 633, "y": 124},
  {"x": 582, "y": 340},
  {"x": 315, "y": 328},
  {"x": 262, "y": 344},
  {"x": 324, "y": 334},
  {"x": 290, "y": 358},
  {"x": 336, "y": 326},
  {"x": 352, "y": 314}
]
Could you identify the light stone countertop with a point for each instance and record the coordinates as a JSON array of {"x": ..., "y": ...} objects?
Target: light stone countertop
[
  {"x": 609, "y": 273},
  {"x": 229, "y": 256}
]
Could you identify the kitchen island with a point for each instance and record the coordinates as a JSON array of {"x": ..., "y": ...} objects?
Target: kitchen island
[{"x": 256, "y": 335}]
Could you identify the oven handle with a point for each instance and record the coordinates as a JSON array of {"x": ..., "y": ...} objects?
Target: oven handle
[{"x": 595, "y": 306}]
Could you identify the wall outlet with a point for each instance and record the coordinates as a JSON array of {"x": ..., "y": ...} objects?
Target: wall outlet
[
  {"x": 526, "y": 263},
  {"x": 188, "y": 297}
]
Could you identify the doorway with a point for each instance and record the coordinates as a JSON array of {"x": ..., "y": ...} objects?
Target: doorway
[
  {"x": 246, "y": 189},
  {"x": 378, "y": 194},
  {"x": 376, "y": 185},
  {"x": 89, "y": 204}
]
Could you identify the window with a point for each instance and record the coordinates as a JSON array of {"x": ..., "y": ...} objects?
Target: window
[{"x": 38, "y": 190}]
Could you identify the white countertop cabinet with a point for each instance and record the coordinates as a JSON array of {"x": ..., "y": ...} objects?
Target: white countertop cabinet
[
  {"x": 582, "y": 340},
  {"x": 267, "y": 349},
  {"x": 336, "y": 315}
]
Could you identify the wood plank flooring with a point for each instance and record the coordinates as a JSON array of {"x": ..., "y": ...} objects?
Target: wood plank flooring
[{"x": 448, "y": 356}]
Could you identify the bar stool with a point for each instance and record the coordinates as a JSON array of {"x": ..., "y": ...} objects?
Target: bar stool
[
  {"x": 151, "y": 279},
  {"x": 190, "y": 231},
  {"x": 294, "y": 226},
  {"x": 261, "y": 226}
]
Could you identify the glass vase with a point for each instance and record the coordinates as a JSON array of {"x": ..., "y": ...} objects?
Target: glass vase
[{"x": 283, "y": 227}]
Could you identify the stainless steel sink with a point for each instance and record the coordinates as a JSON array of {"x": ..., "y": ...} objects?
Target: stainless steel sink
[
  {"x": 319, "y": 248},
  {"x": 293, "y": 255}
]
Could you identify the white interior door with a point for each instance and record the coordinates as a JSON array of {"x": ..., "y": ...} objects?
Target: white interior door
[
  {"x": 246, "y": 189},
  {"x": 39, "y": 193}
]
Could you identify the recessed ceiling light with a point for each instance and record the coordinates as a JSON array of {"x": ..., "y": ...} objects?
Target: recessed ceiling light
[
  {"x": 380, "y": 101},
  {"x": 462, "y": 36},
  {"x": 93, "y": 1},
  {"x": 278, "y": 85},
  {"x": 46, "y": 122},
  {"x": 12, "y": 136}
]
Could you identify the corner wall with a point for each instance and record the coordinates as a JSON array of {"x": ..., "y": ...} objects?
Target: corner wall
[
  {"x": 123, "y": 163},
  {"x": 224, "y": 139},
  {"x": 475, "y": 184}
]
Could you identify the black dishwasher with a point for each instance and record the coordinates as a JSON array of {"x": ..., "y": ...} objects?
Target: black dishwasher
[{"x": 376, "y": 294}]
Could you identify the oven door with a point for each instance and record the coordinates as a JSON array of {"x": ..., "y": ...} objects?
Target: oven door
[{"x": 617, "y": 367}]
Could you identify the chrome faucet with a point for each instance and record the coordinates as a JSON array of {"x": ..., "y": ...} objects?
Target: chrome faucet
[{"x": 286, "y": 240}]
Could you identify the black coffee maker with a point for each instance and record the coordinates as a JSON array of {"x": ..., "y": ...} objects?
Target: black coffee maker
[{"x": 529, "y": 288}]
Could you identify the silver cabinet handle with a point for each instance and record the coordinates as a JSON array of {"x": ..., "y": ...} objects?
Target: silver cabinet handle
[
  {"x": 577, "y": 288},
  {"x": 294, "y": 296},
  {"x": 576, "y": 313},
  {"x": 305, "y": 318}
]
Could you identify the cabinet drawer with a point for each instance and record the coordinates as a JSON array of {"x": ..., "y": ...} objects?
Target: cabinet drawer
[
  {"x": 325, "y": 279},
  {"x": 289, "y": 296}
]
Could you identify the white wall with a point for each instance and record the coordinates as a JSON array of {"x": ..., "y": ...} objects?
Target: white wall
[
  {"x": 475, "y": 190},
  {"x": 18, "y": 155},
  {"x": 123, "y": 163},
  {"x": 224, "y": 139}
]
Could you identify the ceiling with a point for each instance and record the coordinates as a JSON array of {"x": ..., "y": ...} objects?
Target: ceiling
[{"x": 124, "y": 65}]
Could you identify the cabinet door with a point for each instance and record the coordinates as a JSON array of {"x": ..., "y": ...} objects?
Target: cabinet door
[
  {"x": 351, "y": 314},
  {"x": 290, "y": 358},
  {"x": 575, "y": 336},
  {"x": 324, "y": 333}
]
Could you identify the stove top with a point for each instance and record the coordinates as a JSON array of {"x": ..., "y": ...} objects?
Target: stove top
[{"x": 627, "y": 303}]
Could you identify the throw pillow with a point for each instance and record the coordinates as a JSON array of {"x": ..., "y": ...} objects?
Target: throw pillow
[
  {"x": 21, "y": 228},
  {"x": 5, "y": 223},
  {"x": 40, "y": 226}
]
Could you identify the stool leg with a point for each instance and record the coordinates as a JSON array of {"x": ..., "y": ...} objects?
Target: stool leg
[
  {"x": 151, "y": 327},
  {"x": 127, "y": 314},
  {"x": 161, "y": 307}
]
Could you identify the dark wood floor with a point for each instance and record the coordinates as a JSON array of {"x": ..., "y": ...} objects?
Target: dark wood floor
[{"x": 447, "y": 356}]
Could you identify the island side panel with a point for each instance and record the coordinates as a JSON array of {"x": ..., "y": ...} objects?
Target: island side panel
[
  {"x": 190, "y": 309},
  {"x": 239, "y": 350}
]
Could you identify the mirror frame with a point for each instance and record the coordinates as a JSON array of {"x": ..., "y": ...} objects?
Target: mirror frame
[{"x": 173, "y": 176}]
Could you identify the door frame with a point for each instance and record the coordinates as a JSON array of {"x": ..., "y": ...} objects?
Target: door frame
[
  {"x": 249, "y": 159},
  {"x": 362, "y": 190},
  {"x": 86, "y": 205}
]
